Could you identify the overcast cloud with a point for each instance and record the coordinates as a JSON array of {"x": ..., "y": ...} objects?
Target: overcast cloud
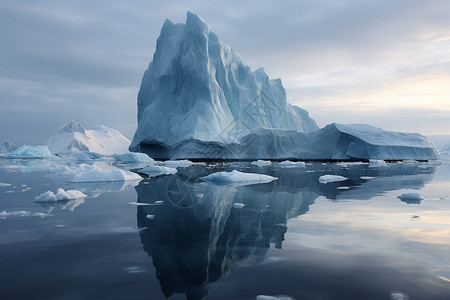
[{"x": 386, "y": 63}]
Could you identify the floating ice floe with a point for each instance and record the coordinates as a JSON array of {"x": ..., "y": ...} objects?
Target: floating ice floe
[
  {"x": 61, "y": 195},
  {"x": 184, "y": 163},
  {"x": 132, "y": 157},
  {"x": 2, "y": 184},
  {"x": 278, "y": 297},
  {"x": 150, "y": 217},
  {"x": 343, "y": 188},
  {"x": 27, "y": 151},
  {"x": 21, "y": 213},
  {"x": 366, "y": 177},
  {"x": 410, "y": 198},
  {"x": 154, "y": 170},
  {"x": 238, "y": 205},
  {"x": 93, "y": 173},
  {"x": 376, "y": 163},
  {"x": 237, "y": 177},
  {"x": 138, "y": 203},
  {"x": 292, "y": 164},
  {"x": 397, "y": 295},
  {"x": 331, "y": 178},
  {"x": 262, "y": 163}
]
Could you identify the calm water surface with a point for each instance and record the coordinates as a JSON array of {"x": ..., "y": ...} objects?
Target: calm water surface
[{"x": 294, "y": 236}]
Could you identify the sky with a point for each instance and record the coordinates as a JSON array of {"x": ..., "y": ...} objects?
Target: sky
[{"x": 381, "y": 62}]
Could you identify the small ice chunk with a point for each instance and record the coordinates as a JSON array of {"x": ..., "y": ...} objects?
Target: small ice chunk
[
  {"x": 292, "y": 164},
  {"x": 184, "y": 163},
  {"x": 21, "y": 213},
  {"x": 159, "y": 202},
  {"x": 376, "y": 163},
  {"x": 61, "y": 195},
  {"x": 396, "y": 295},
  {"x": 138, "y": 203},
  {"x": 410, "y": 196},
  {"x": 331, "y": 178},
  {"x": 135, "y": 270},
  {"x": 237, "y": 177},
  {"x": 343, "y": 188},
  {"x": 238, "y": 205},
  {"x": 366, "y": 177},
  {"x": 415, "y": 216},
  {"x": 132, "y": 157},
  {"x": 41, "y": 215},
  {"x": 48, "y": 196},
  {"x": 154, "y": 170},
  {"x": 96, "y": 174},
  {"x": 150, "y": 217},
  {"x": 262, "y": 163},
  {"x": 278, "y": 297},
  {"x": 4, "y": 184}
]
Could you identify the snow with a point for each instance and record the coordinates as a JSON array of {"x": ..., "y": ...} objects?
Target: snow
[
  {"x": 197, "y": 87},
  {"x": 262, "y": 163},
  {"x": 2, "y": 184},
  {"x": 184, "y": 163},
  {"x": 410, "y": 196},
  {"x": 331, "y": 178},
  {"x": 72, "y": 137},
  {"x": 27, "y": 151},
  {"x": 292, "y": 164},
  {"x": 376, "y": 163},
  {"x": 94, "y": 173},
  {"x": 132, "y": 157},
  {"x": 154, "y": 170},
  {"x": 61, "y": 195},
  {"x": 237, "y": 177}
]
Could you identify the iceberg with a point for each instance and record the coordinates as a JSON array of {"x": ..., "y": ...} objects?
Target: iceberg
[
  {"x": 262, "y": 163},
  {"x": 292, "y": 164},
  {"x": 61, "y": 195},
  {"x": 183, "y": 163},
  {"x": 200, "y": 100},
  {"x": 154, "y": 170},
  {"x": 7, "y": 146},
  {"x": 410, "y": 198},
  {"x": 237, "y": 177},
  {"x": 331, "y": 178},
  {"x": 94, "y": 173},
  {"x": 27, "y": 151},
  {"x": 72, "y": 137}
]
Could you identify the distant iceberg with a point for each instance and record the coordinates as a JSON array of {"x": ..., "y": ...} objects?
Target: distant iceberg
[
  {"x": 61, "y": 195},
  {"x": 200, "y": 99},
  {"x": 27, "y": 151},
  {"x": 237, "y": 177}
]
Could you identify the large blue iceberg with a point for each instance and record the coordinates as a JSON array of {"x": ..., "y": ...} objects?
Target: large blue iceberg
[{"x": 200, "y": 99}]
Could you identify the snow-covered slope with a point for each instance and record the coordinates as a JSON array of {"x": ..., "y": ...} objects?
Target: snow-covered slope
[
  {"x": 74, "y": 138},
  {"x": 197, "y": 87}
]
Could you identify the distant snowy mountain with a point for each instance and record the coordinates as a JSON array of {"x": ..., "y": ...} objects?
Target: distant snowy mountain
[
  {"x": 197, "y": 87},
  {"x": 74, "y": 138},
  {"x": 7, "y": 146}
]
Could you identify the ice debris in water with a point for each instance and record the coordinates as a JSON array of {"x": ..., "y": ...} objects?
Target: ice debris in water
[
  {"x": 184, "y": 163},
  {"x": 132, "y": 157},
  {"x": 262, "y": 163},
  {"x": 21, "y": 213},
  {"x": 279, "y": 297},
  {"x": 292, "y": 164},
  {"x": 2, "y": 184},
  {"x": 399, "y": 296},
  {"x": 376, "y": 163},
  {"x": 150, "y": 217},
  {"x": 331, "y": 178},
  {"x": 61, "y": 195},
  {"x": 366, "y": 177},
  {"x": 236, "y": 176},
  {"x": 154, "y": 170},
  {"x": 93, "y": 173}
]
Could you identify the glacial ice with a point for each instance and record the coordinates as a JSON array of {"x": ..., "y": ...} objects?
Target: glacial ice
[
  {"x": 377, "y": 163},
  {"x": 7, "y": 146},
  {"x": 27, "y": 151},
  {"x": 237, "y": 177},
  {"x": 93, "y": 173},
  {"x": 72, "y": 137},
  {"x": 262, "y": 163},
  {"x": 199, "y": 99},
  {"x": 183, "y": 163},
  {"x": 132, "y": 157},
  {"x": 60, "y": 195},
  {"x": 292, "y": 164},
  {"x": 331, "y": 178},
  {"x": 154, "y": 170}
]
